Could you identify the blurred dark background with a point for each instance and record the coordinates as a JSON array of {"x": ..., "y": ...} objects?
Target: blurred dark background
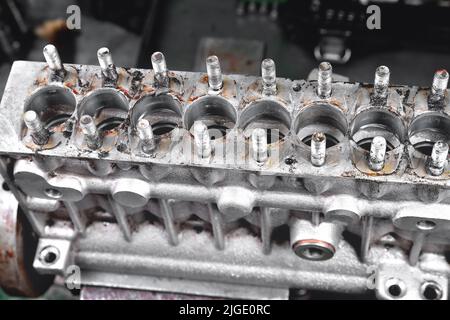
[{"x": 414, "y": 39}]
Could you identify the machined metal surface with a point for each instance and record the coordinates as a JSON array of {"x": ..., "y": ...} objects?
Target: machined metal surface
[{"x": 170, "y": 181}]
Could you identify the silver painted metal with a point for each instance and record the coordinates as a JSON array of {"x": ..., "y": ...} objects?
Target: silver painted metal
[
  {"x": 145, "y": 134},
  {"x": 216, "y": 219},
  {"x": 199, "y": 207},
  {"x": 438, "y": 159},
  {"x": 121, "y": 218},
  {"x": 214, "y": 73},
  {"x": 399, "y": 281},
  {"x": 163, "y": 288},
  {"x": 39, "y": 134},
  {"x": 90, "y": 132},
  {"x": 52, "y": 256},
  {"x": 259, "y": 145},
  {"x": 79, "y": 221},
  {"x": 160, "y": 68},
  {"x": 318, "y": 149},
  {"x": 105, "y": 60},
  {"x": 167, "y": 214},
  {"x": 324, "y": 78},
  {"x": 377, "y": 153},
  {"x": 269, "y": 77},
  {"x": 367, "y": 233},
  {"x": 440, "y": 83},
  {"x": 202, "y": 140},
  {"x": 315, "y": 242},
  {"x": 381, "y": 82},
  {"x": 53, "y": 60},
  {"x": 266, "y": 229},
  {"x": 416, "y": 248}
]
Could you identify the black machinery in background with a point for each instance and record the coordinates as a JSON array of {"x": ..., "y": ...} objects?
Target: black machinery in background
[
  {"x": 14, "y": 31},
  {"x": 332, "y": 30},
  {"x": 337, "y": 30}
]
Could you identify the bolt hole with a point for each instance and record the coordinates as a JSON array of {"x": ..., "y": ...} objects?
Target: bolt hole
[
  {"x": 431, "y": 291},
  {"x": 395, "y": 290},
  {"x": 289, "y": 161},
  {"x": 426, "y": 129},
  {"x": 296, "y": 87},
  {"x": 5, "y": 186},
  {"x": 425, "y": 225},
  {"x": 318, "y": 251},
  {"x": 395, "y": 287},
  {"x": 49, "y": 255},
  {"x": 53, "y": 193},
  {"x": 313, "y": 253}
]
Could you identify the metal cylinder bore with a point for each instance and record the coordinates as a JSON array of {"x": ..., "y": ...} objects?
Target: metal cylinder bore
[
  {"x": 372, "y": 123},
  {"x": 427, "y": 129},
  {"x": 107, "y": 106},
  {"x": 53, "y": 105},
  {"x": 320, "y": 118},
  {"x": 215, "y": 112},
  {"x": 266, "y": 114}
]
